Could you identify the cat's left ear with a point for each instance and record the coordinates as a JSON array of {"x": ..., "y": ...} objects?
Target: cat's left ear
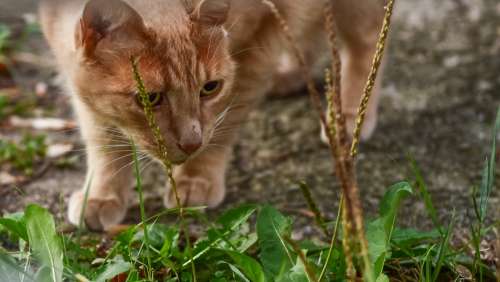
[
  {"x": 211, "y": 12},
  {"x": 107, "y": 26}
]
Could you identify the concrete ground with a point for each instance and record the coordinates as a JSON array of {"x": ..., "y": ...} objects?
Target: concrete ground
[{"x": 441, "y": 92}]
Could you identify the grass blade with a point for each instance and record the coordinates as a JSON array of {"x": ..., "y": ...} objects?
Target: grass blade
[
  {"x": 489, "y": 173},
  {"x": 424, "y": 193},
  {"x": 142, "y": 209},
  {"x": 442, "y": 249}
]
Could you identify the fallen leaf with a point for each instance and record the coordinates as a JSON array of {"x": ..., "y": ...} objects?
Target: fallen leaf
[
  {"x": 8, "y": 179},
  {"x": 58, "y": 150},
  {"x": 42, "y": 123},
  {"x": 10, "y": 92}
]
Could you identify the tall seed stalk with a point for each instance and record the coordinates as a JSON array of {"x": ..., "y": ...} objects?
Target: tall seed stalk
[
  {"x": 161, "y": 146},
  {"x": 342, "y": 151}
]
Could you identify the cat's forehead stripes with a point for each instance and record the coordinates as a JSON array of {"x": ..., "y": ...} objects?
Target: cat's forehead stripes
[{"x": 181, "y": 63}]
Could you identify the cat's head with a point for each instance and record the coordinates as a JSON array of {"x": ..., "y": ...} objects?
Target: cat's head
[{"x": 183, "y": 57}]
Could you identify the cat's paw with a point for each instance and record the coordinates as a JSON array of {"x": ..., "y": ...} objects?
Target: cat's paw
[
  {"x": 367, "y": 131},
  {"x": 195, "y": 191},
  {"x": 100, "y": 214}
]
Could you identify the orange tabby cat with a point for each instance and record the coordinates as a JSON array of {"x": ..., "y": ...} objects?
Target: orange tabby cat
[{"x": 205, "y": 63}]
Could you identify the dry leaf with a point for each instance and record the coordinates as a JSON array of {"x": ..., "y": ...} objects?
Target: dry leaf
[
  {"x": 58, "y": 150},
  {"x": 8, "y": 179},
  {"x": 42, "y": 123}
]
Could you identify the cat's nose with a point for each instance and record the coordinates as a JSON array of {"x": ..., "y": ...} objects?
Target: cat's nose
[
  {"x": 190, "y": 147},
  {"x": 190, "y": 138}
]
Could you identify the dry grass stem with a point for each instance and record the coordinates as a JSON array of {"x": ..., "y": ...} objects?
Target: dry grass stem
[
  {"x": 160, "y": 142},
  {"x": 155, "y": 129},
  {"x": 318, "y": 216},
  {"x": 311, "y": 276},
  {"x": 353, "y": 216},
  {"x": 372, "y": 77}
]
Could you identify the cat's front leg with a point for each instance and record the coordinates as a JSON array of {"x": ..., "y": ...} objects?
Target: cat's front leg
[
  {"x": 109, "y": 161},
  {"x": 201, "y": 180}
]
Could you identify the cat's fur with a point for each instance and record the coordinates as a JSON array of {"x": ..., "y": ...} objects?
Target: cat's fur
[{"x": 180, "y": 45}]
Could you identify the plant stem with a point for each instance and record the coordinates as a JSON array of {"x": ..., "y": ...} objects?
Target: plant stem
[
  {"x": 372, "y": 77},
  {"x": 160, "y": 142},
  {"x": 334, "y": 239},
  {"x": 142, "y": 210}
]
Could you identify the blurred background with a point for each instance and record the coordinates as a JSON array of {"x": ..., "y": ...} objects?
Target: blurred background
[{"x": 440, "y": 95}]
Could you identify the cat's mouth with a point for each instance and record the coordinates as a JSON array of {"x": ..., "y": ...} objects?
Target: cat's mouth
[{"x": 172, "y": 158}]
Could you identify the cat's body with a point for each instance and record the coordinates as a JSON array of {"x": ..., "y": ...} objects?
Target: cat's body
[{"x": 206, "y": 63}]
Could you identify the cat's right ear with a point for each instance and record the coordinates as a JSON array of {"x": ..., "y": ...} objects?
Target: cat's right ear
[{"x": 107, "y": 26}]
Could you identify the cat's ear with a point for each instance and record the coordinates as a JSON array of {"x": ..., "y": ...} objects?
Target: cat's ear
[
  {"x": 108, "y": 25},
  {"x": 211, "y": 12}
]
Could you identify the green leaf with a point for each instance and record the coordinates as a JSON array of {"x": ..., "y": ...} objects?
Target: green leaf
[
  {"x": 250, "y": 267},
  {"x": 383, "y": 278},
  {"x": 275, "y": 255},
  {"x": 424, "y": 193},
  {"x": 406, "y": 238},
  {"x": 15, "y": 224},
  {"x": 11, "y": 272},
  {"x": 237, "y": 216},
  {"x": 443, "y": 249},
  {"x": 170, "y": 243},
  {"x": 4, "y": 36},
  {"x": 488, "y": 178},
  {"x": 45, "y": 243},
  {"x": 296, "y": 274},
  {"x": 379, "y": 231},
  {"x": 114, "y": 269},
  {"x": 236, "y": 271}
]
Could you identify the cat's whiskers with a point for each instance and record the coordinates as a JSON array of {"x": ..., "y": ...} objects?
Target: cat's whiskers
[
  {"x": 139, "y": 158},
  {"x": 216, "y": 146},
  {"x": 239, "y": 52},
  {"x": 103, "y": 129},
  {"x": 147, "y": 165}
]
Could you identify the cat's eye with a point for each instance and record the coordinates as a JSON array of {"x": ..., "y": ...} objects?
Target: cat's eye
[
  {"x": 154, "y": 99},
  {"x": 211, "y": 88}
]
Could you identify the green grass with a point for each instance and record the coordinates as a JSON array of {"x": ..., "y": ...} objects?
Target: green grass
[
  {"x": 246, "y": 243},
  {"x": 24, "y": 154}
]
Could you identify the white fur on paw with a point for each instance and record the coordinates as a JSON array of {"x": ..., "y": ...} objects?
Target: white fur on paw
[
  {"x": 100, "y": 214},
  {"x": 193, "y": 192}
]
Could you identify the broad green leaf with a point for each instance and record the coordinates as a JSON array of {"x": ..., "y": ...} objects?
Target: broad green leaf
[
  {"x": 378, "y": 246},
  {"x": 45, "y": 243},
  {"x": 237, "y": 216},
  {"x": 379, "y": 231},
  {"x": 230, "y": 222},
  {"x": 170, "y": 243},
  {"x": 275, "y": 255},
  {"x": 296, "y": 274},
  {"x": 238, "y": 273},
  {"x": 113, "y": 269},
  {"x": 410, "y": 237},
  {"x": 382, "y": 278},
  {"x": 488, "y": 178},
  {"x": 15, "y": 224},
  {"x": 11, "y": 272},
  {"x": 250, "y": 267}
]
